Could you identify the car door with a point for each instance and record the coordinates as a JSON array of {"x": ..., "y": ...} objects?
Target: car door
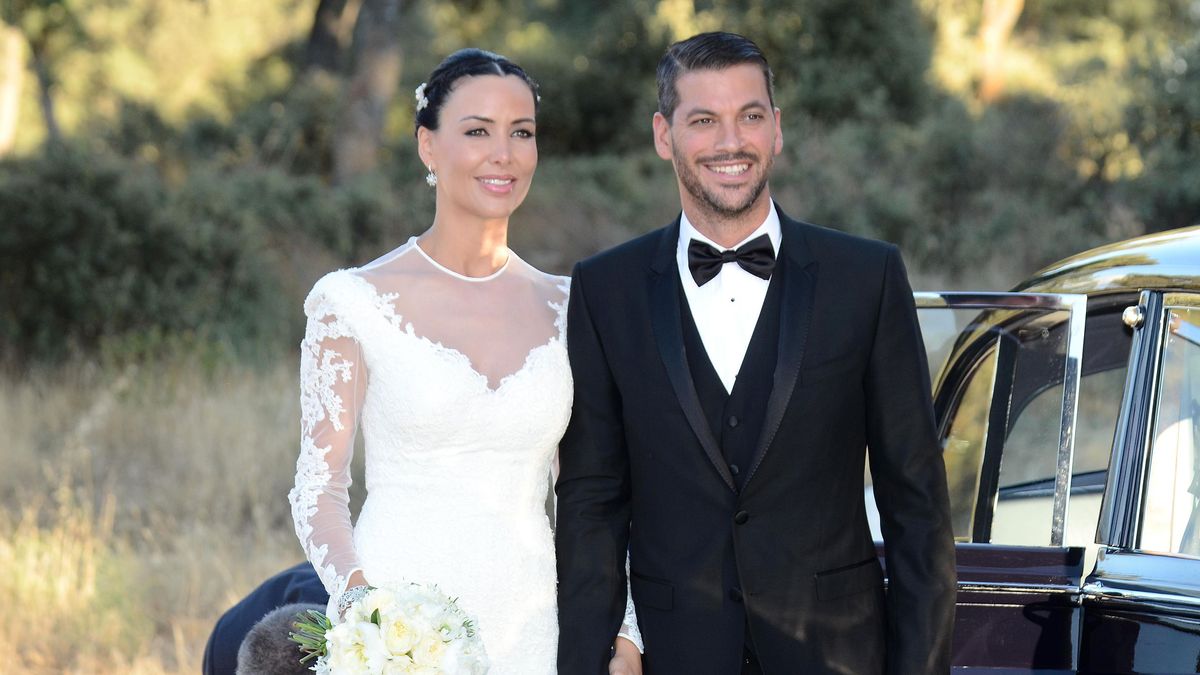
[
  {"x": 1142, "y": 601},
  {"x": 1026, "y": 392}
]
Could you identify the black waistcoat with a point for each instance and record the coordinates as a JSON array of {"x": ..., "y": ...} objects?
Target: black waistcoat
[{"x": 736, "y": 417}]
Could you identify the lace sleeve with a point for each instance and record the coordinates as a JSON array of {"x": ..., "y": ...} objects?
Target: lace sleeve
[
  {"x": 629, "y": 625},
  {"x": 332, "y": 383}
]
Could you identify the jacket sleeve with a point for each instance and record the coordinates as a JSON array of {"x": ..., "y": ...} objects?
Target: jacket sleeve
[
  {"x": 593, "y": 488},
  {"x": 910, "y": 486}
]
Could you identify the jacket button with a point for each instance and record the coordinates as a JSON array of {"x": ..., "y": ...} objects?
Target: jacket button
[
  {"x": 741, "y": 517},
  {"x": 733, "y": 421},
  {"x": 734, "y": 470},
  {"x": 735, "y": 594}
]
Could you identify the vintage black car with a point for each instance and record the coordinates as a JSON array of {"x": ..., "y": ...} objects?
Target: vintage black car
[{"x": 1069, "y": 415}]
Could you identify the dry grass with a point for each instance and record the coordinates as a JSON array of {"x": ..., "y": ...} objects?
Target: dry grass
[{"x": 136, "y": 505}]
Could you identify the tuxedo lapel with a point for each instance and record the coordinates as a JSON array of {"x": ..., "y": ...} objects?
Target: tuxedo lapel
[
  {"x": 795, "y": 314},
  {"x": 666, "y": 318}
]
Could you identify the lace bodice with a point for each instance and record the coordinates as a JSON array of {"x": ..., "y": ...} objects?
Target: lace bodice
[{"x": 462, "y": 389}]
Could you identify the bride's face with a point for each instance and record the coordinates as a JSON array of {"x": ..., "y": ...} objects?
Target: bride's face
[{"x": 484, "y": 151}]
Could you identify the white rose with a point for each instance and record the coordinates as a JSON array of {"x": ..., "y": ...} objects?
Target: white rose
[
  {"x": 429, "y": 651},
  {"x": 398, "y": 665},
  {"x": 381, "y": 599},
  {"x": 399, "y": 634},
  {"x": 356, "y": 649}
]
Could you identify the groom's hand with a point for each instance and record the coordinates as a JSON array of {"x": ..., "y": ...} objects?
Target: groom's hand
[{"x": 626, "y": 659}]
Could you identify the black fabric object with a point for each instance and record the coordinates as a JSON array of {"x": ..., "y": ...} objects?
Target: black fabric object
[
  {"x": 297, "y": 584},
  {"x": 736, "y": 417},
  {"x": 756, "y": 256}
]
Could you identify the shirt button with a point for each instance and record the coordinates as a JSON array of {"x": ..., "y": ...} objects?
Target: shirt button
[
  {"x": 734, "y": 470},
  {"x": 735, "y": 594},
  {"x": 741, "y": 517},
  {"x": 733, "y": 421}
]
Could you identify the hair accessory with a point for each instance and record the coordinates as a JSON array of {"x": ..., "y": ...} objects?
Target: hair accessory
[
  {"x": 431, "y": 178},
  {"x": 422, "y": 100}
]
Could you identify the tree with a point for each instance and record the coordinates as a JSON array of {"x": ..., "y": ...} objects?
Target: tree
[
  {"x": 374, "y": 78},
  {"x": 51, "y": 27},
  {"x": 999, "y": 19},
  {"x": 12, "y": 77},
  {"x": 332, "y": 26}
]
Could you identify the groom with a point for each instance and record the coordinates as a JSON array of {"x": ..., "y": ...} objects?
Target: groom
[{"x": 731, "y": 372}]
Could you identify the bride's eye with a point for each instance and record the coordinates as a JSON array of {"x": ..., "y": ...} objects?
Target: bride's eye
[
  {"x": 524, "y": 133},
  {"x": 477, "y": 132}
]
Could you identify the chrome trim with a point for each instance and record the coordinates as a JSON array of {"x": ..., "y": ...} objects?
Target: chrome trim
[
  {"x": 993, "y": 300},
  {"x": 1016, "y": 587},
  {"x": 1098, "y": 591},
  {"x": 1133, "y": 316},
  {"x": 1072, "y": 368},
  {"x": 1155, "y": 379}
]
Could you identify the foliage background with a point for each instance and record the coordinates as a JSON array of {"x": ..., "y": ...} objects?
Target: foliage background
[{"x": 175, "y": 174}]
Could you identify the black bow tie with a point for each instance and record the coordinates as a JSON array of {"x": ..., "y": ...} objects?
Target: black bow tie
[{"x": 756, "y": 256}]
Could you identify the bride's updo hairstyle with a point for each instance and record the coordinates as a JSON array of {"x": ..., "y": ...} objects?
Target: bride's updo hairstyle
[{"x": 468, "y": 62}]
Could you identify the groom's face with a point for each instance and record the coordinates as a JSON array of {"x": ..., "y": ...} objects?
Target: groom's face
[{"x": 722, "y": 139}]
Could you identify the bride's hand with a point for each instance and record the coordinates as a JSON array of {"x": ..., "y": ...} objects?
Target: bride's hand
[{"x": 626, "y": 660}]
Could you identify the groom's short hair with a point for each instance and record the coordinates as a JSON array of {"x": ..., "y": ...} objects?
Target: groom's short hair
[{"x": 706, "y": 51}]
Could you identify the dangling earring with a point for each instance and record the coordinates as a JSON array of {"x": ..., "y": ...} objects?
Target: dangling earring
[{"x": 431, "y": 178}]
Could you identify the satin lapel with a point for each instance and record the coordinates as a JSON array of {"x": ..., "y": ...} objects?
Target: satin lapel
[
  {"x": 667, "y": 321},
  {"x": 795, "y": 309}
]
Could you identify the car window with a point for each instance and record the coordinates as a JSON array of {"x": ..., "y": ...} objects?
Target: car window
[
  {"x": 964, "y": 443},
  {"x": 1030, "y": 421},
  {"x": 1026, "y": 497},
  {"x": 1171, "y": 506}
]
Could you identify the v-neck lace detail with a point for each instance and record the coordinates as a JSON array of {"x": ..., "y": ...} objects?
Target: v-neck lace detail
[{"x": 385, "y": 304}]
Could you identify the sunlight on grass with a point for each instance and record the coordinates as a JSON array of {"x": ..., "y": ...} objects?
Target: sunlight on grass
[{"x": 139, "y": 504}]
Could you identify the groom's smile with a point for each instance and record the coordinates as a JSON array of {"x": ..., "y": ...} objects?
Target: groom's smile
[{"x": 722, "y": 139}]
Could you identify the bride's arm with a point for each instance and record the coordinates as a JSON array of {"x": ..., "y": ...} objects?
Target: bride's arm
[
  {"x": 332, "y": 383},
  {"x": 634, "y": 646}
]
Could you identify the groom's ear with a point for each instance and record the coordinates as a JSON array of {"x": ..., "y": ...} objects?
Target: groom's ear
[
  {"x": 662, "y": 136},
  {"x": 778, "y": 132}
]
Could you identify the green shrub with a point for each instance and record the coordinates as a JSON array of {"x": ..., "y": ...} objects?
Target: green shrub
[{"x": 97, "y": 249}]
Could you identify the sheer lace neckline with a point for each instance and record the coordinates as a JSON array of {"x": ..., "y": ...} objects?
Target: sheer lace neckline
[{"x": 462, "y": 277}]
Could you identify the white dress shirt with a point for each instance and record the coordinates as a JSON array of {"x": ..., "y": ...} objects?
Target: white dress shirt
[{"x": 726, "y": 308}]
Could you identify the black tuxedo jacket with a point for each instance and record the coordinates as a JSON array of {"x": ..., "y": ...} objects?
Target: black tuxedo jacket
[{"x": 789, "y": 556}]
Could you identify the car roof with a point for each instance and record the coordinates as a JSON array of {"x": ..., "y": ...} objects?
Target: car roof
[{"x": 1165, "y": 260}]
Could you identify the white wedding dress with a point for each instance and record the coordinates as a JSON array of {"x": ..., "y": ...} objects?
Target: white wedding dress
[{"x": 462, "y": 389}]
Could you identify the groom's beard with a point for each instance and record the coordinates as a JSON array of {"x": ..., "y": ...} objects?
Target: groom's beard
[{"x": 716, "y": 201}]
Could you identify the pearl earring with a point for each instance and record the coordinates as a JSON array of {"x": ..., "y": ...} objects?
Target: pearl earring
[{"x": 431, "y": 178}]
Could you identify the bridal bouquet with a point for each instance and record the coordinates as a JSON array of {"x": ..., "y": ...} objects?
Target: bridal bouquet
[{"x": 411, "y": 630}]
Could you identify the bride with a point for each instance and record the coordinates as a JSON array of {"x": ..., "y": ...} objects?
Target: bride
[{"x": 449, "y": 355}]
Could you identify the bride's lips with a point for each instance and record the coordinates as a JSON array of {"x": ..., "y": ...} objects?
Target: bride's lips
[{"x": 497, "y": 184}]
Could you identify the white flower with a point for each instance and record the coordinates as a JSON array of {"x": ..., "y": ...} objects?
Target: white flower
[
  {"x": 398, "y": 665},
  {"x": 381, "y": 599},
  {"x": 399, "y": 633},
  {"x": 422, "y": 101},
  {"x": 356, "y": 648},
  {"x": 429, "y": 651},
  {"x": 420, "y": 631}
]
